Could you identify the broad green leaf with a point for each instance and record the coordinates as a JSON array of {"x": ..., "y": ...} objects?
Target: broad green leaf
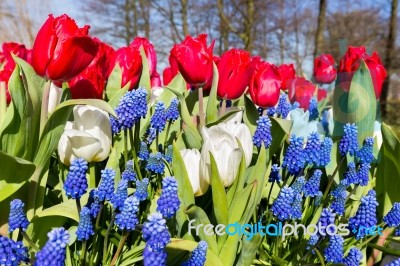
[
  {"x": 212, "y": 104},
  {"x": 357, "y": 106},
  {"x": 114, "y": 82},
  {"x": 223, "y": 118},
  {"x": 40, "y": 227},
  {"x": 15, "y": 172},
  {"x": 220, "y": 203},
  {"x": 239, "y": 204},
  {"x": 250, "y": 115},
  {"x": 249, "y": 249},
  {"x": 229, "y": 250},
  {"x": 116, "y": 97},
  {"x": 145, "y": 77},
  {"x": 238, "y": 184},
  {"x": 200, "y": 216}
]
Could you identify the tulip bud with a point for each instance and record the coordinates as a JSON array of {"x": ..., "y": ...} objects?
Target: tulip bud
[
  {"x": 148, "y": 50},
  {"x": 324, "y": 69},
  {"x": 88, "y": 137},
  {"x": 54, "y": 97},
  {"x": 191, "y": 158},
  {"x": 130, "y": 61},
  {"x": 301, "y": 91}
]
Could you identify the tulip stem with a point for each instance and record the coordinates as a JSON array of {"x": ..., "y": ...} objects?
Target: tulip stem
[
  {"x": 264, "y": 112},
  {"x": 45, "y": 105},
  {"x": 223, "y": 107},
  {"x": 92, "y": 172},
  {"x": 125, "y": 235},
  {"x": 201, "y": 108}
]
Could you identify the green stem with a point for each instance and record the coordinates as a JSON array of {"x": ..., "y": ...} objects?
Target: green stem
[
  {"x": 29, "y": 240},
  {"x": 223, "y": 108},
  {"x": 321, "y": 258},
  {"x": 99, "y": 215},
  {"x": 134, "y": 154},
  {"x": 125, "y": 146},
  {"x": 270, "y": 192},
  {"x": 106, "y": 237},
  {"x": 333, "y": 177},
  {"x": 3, "y": 101},
  {"x": 125, "y": 235},
  {"x": 45, "y": 105},
  {"x": 83, "y": 253},
  {"x": 167, "y": 132},
  {"x": 92, "y": 172},
  {"x": 137, "y": 135},
  {"x": 157, "y": 141},
  {"x": 78, "y": 205},
  {"x": 201, "y": 108}
]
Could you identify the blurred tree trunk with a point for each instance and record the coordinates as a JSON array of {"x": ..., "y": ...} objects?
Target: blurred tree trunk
[
  {"x": 319, "y": 35},
  {"x": 184, "y": 11},
  {"x": 391, "y": 39}
]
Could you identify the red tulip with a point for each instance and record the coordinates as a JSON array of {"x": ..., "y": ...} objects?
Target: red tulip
[
  {"x": 324, "y": 69},
  {"x": 167, "y": 75},
  {"x": 288, "y": 73},
  {"x": 321, "y": 94},
  {"x": 350, "y": 63},
  {"x": 149, "y": 51},
  {"x": 89, "y": 84},
  {"x": 7, "y": 62},
  {"x": 130, "y": 62},
  {"x": 301, "y": 91},
  {"x": 265, "y": 84},
  {"x": 194, "y": 59},
  {"x": 104, "y": 59},
  {"x": 61, "y": 49},
  {"x": 235, "y": 70}
]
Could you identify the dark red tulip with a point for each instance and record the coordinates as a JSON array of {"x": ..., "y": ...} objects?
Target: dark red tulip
[
  {"x": 235, "y": 70},
  {"x": 61, "y": 49},
  {"x": 88, "y": 84},
  {"x": 351, "y": 61},
  {"x": 301, "y": 91},
  {"x": 324, "y": 69},
  {"x": 149, "y": 51},
  {"x": 104, "y": 59},
  {"x": 130, "y": 61},
  {"x": 265, "y": 84},
  {"x": 288, "y": 73},
  {"x": 321, "y": 94},
  {"x": 194, "y": 60}
]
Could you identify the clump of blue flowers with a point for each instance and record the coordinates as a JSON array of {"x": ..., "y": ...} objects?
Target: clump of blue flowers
[
  {"x": 349, "y": 143},
  {"x": 76, "y": 183},
  {"x": 159, "y": 118},
  {"x": 17, "y": 218},
  {"x": 198, "y": 256},
  {"x": 53, "y": 252},
  {"x": 168, "y": 203},
  {"x": 85, "y": 226},
  {"x": 155, "y": 163},
  {"x": 263, "y": 132},
  {"x": 294, "y": 159}
]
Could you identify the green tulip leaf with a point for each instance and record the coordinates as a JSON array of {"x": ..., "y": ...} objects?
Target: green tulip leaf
[
  {"x": 114, "y": 82},
  {"x": 250, "y": 115},
  {"x": 145, "y": 77},
  {"x": 238, "y": 184},
  {"x": 212, "y": 103},
  {"x": 224, "y": 117},
  {"x": 249, "y": 249},
  {"x": 220, "y": 202}
]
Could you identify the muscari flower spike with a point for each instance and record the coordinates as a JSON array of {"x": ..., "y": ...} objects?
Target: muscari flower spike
[
  {"x": 85, "y": 226},
  {"x": 270, "y": 111},
  {"x": 140, "y": 103},
  {"x": 296, "y": 206},
  {"x": 392, "y": 218},
  {"x": 127, "y": 218},
  {"x": 12, "y": 253},
  {"x": 168, "y": 154},
  {"x": 120, "y": 195},
  {"x": 311, "y": 151},
  {"x": 143, "y": 153},
  {"x": 95, "y": 207},
  {"x": 53, "y": 252},
  {"x": 363, "y": 174},
  {"x": 298, "y": 184},
  {"x": 354, "y": 257},
  {"x": 283, "y": 107},
  {"x": 313, "y": 108},
  {"x": 198, "y": 255},
  {"x": 168, "y": 203},
  {"x": 351, "y": 174},
  {"x": 151, "y": 135},
  {"x": 349, "y": 143},
  {"x": 365, "y": 154},
  {"x": 155, "y": 232},
  {"x": 17, "y": 218},
  {"x": 365, "y": 216},
  {"x": 327, "y": 217},
  {"x": 282, "y": 206},
  {"x": 312, "y": 242},
  {"x": 274, "y": 175},
  {"x": 151, "y": 258},
  {"x": 159, "y": 118},
  {"x": 338, "y": 205},
  {"x": 141, "y": 189},
  {"x": 105, "y": 190},
  {"x": 172, "y": 112},
  {"x": 311, "y": 188},
  {"x": 129, "y": 174},
  {"x": 76, "y": 183},
  {"x": 395, "y": 262},
  {"x": 318, "y": 198},
  {"x": 294, "y": 160},
  {"x": 340, "y": 190},
  {"x": 155, "y": 163},
  {"x": 262, "y": 135},
  {"x": 334, "y": 251},
  {"x": 325, "y": 151},
  {"x": 324, "y": 121}
]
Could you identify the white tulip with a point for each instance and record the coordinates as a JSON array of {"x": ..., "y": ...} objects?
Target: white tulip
[
  {"x": 222, "y": 141},
  {"x": 88, "y": 137},
  {"x": 155, "y": 93},
  {"x": 302, "y": 127},
  {"x": 54, "y": 98},
  {"x": 378, "y": 134},
  {"x": 191, "y": 158}
]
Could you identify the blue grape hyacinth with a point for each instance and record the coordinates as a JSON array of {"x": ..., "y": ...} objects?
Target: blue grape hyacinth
[
  {"x": 299, "y": 184},
  {"x": 365, "y": 154},
  {"x": 120, "y": 194},
  {"x": 76, "y": 183},
  {"x": 270, "y": 111},
  {"x": 143, "y": 153},
  {"x": 334, "y": 252},
  {"x": 338, "y": 205},
  {"x": 141, "y": 189},
  {"x": 198, "y": 255},
  {"x": 297, "y": 206},
  {"x": 129, "y": 174},
  {"x": 313, "y": 108},
  {"x": 282, "y": 206},
  {"x": 159, "y": 119},
  {"x": 172, "y": 112},
  {"x": 140, "y": 103},
  {"x": 274, "y": 175},
  {"x": 312, "y": 242},
  {"x": 294, "y": 159},
  {"x": 151, "y": 135},
  {"x": 365, "y": 216},
  {"x": 105, "y": 189},
  {"x": 318, "y": 198},
  {"x": 127, "y": 218},
  {"x": 85, "y": 226},
  {"x": 327, "y": 217},
  {"x": 283, "y": 107},
  {"x": 311, "y": 151},
  {"x": 17, "y": 218},
  {"x": 152, "y": 258},
  {"x": 155, "y": 163},
  {"x": 262, "y": 135},
  {"x": 325, "y": 151},
  {"x": 392, "y": 218},
  {"x": 351, "y": 174},
  {"x": 311, "y": 188},
  {"x": 168, "y": 154},
  {"x": 155, "y": 232},
  {"x": 53, "y": 252},
  {"x": 353, "y": 258},
  {"x": 12, "y": 253},
  {"x": 363, "y": 174},
  {"x": 349, "y": 143},
  {"x": 168, "y": 203}
]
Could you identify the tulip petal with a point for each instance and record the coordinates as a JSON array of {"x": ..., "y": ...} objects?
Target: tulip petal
[
  {"x": 233, "y": 167},
  {"x": 83, "y": 144}
]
